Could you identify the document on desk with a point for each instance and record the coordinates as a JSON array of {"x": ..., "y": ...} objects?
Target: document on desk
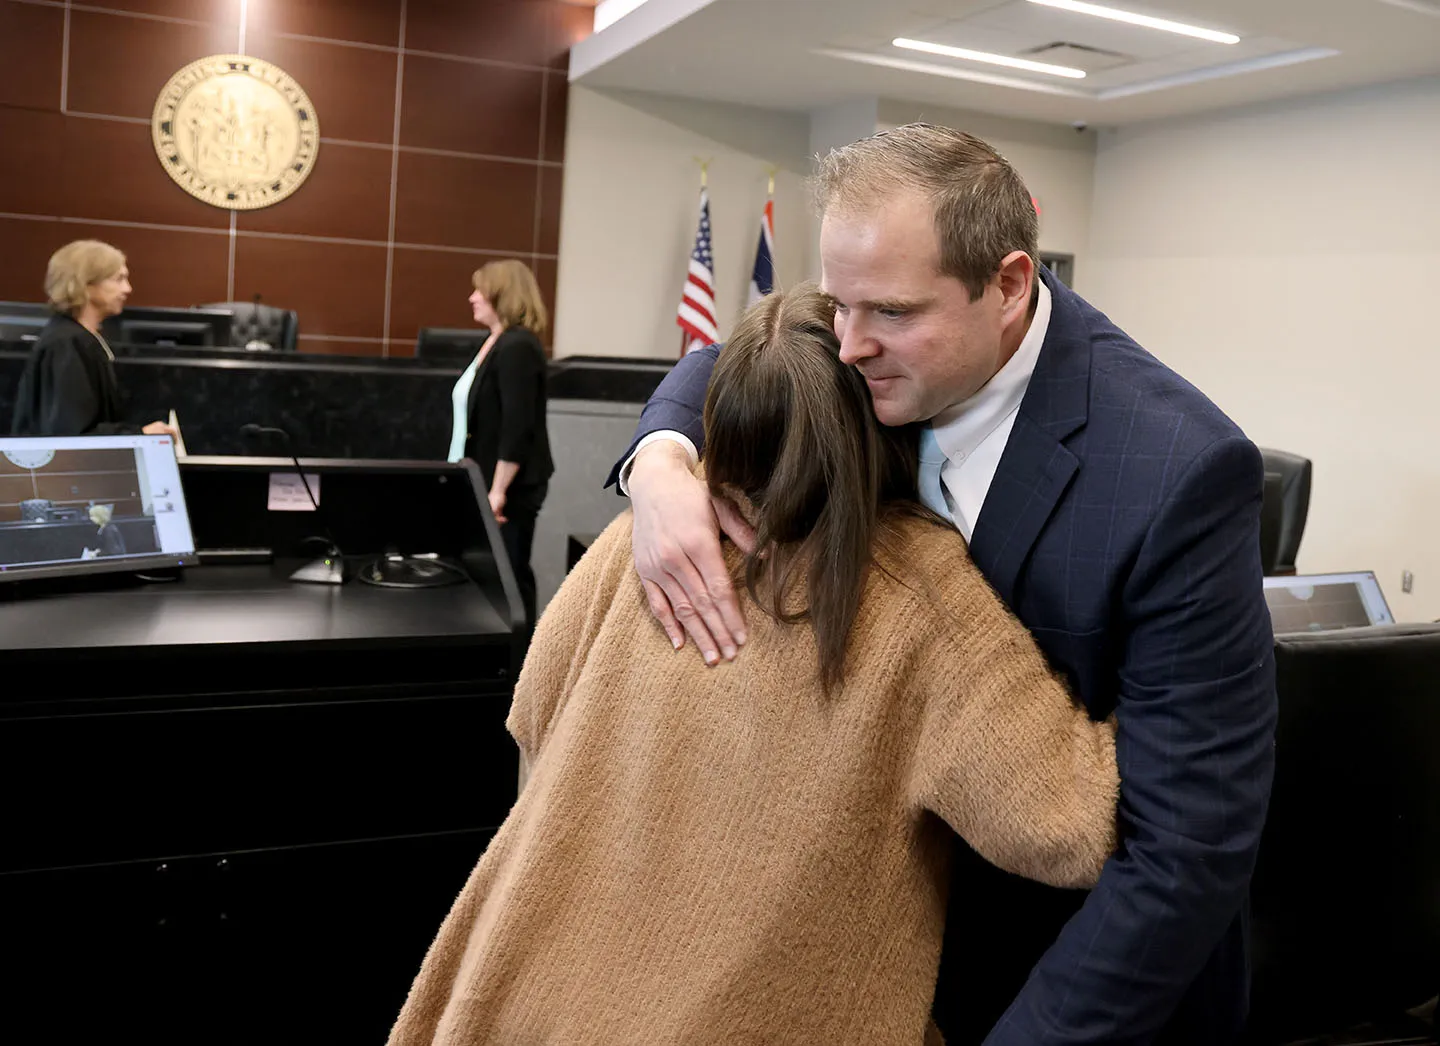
[
  {"x": 288, "y": 493},
  {"x": 179, "y": 436}
]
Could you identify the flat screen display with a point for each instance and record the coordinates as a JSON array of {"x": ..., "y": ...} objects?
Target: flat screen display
[
  {"x": 91, "y": 504},
  {"x": 1320, "y": 602}
]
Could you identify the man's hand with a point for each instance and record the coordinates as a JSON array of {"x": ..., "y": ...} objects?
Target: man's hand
[
  {"x": 160, "y": 428},
  {"x": 677, "y": 552}
]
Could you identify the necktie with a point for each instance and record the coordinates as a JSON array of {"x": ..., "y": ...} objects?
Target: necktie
[{"x": 932, "y": 461}]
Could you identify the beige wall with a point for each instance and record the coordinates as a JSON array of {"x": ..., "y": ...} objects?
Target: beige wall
[
  {"x": 1284, "y": 259},
  {"x": 630, "y": 206}
]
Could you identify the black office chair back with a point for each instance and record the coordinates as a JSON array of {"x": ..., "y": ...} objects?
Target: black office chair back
[
  {"x": 259, "y": 324},
  {"x": 1294, "y": 504},
  {"x": 1346, "y": 895},
  {"x": 451, "y": 345}
]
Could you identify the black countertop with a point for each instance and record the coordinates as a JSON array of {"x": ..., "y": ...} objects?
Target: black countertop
[
  {"x": 236, "y": 606},
  {"x": 333, "y": 406}
]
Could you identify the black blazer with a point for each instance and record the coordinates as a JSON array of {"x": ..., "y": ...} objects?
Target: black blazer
[
  {"x": 68, "y": 387},
  {"x": 507, "y": 416}
]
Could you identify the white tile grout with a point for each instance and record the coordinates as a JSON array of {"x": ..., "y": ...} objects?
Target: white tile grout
[
  {"x": 230, "y": 270},
  {"x": 153, "y": 226},
  {"x": 394, "y": 177},
  {"x": 465, "y": 250},
  {"x": 351, "y": 143},
  {"x": 235, "y": 215},
  {"x": 256, "y": 234},
  {"x": 65, "y": 62},
  {"x": 107, "y": 116},
  {"x": 539, "y": 171},
  {"x": 499, "y": 63},
  {"x": 142, "y": 15},
  {"x": 344, "y": 241},
  {"x": 424, "y": 151}
]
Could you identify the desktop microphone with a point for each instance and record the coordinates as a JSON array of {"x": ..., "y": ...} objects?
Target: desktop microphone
[{"x": 328, "y": 569}]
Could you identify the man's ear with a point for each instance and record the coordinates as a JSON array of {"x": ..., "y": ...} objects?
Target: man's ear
[{"x": 1016, "y": 278}]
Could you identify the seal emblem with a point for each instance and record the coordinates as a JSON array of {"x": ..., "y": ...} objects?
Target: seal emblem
[{"x": 236, "y": 132}]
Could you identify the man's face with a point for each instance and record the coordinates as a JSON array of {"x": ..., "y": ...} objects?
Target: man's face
[{"x": 914, "y": 334}]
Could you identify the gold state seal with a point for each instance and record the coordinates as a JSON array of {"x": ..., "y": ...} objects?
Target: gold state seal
[{"x": 235, "y": 132}]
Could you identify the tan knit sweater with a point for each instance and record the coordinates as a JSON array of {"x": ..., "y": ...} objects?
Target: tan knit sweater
[{"x": 725, "y": 855}]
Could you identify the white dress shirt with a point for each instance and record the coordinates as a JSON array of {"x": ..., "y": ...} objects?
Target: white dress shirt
[{"x": 971, "y": 434}]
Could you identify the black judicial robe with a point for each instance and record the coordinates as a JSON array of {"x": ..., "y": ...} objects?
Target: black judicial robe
[{"x": 68, "y": 387}]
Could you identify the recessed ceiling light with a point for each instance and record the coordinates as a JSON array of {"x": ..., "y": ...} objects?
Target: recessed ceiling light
[
  {"x": 989, "y": 59},
  {"x": 1116, "y": 15},
  {"x": 608, "y": 12}
]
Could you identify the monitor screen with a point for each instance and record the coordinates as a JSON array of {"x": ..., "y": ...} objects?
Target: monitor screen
[
  {"x": 146, "y": 325},
  {"x": 90, "y": 504},
  {"x": 1320, "y": 602}
]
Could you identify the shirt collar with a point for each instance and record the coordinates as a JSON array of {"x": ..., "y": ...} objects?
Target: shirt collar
[{"x": 962, "y": 427}]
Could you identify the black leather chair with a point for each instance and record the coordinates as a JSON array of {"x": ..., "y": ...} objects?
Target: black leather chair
[
  {"x": 1293, "y": 491},
  {"x": 453, "y": 345},
  {"x": 1346, "y": 895},
  {"x": 262, "y": 326}
]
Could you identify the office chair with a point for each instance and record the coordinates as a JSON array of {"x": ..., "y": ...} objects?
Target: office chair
[
  {"x": 453, "y": 345},
  {"x": 1346, "y": 895},
  {"x": 1294, "y": 493},
  {"x": 261, "y": 327}
]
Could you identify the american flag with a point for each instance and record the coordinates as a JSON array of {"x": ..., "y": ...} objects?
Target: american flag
[
  {"x": 763, "y": 280},
  {"x": 697, "y": 303}
]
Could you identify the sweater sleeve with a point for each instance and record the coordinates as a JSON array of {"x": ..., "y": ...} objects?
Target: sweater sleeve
[
  {"x": 519, "y": 369},
  {"x": 565, "y": 635},
  {"x": 1007, "y": 757}
]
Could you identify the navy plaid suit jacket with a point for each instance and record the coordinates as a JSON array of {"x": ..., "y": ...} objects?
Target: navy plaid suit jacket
[{"x": 1123, "y": 528}]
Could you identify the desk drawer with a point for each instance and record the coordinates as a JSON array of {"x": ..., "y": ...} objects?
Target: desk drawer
[
  {"x": 312, "y": 945},
  {"x": 259, "y": 771}
]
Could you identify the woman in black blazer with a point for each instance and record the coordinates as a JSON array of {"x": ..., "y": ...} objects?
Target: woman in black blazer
[
  {"x": 499, "y": 410},
  {"x": 68, "y": 387}
]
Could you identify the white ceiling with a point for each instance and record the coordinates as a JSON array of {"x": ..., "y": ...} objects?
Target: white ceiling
[{"x": 804, "y": 54}]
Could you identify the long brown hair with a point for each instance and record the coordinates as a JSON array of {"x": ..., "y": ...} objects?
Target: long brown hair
[{"x": 791, "y": 429}]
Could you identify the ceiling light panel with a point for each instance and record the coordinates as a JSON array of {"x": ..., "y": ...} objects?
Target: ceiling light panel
[
  {"x": 987, "y": 58},
  {"x": 1114, "y": 14}
]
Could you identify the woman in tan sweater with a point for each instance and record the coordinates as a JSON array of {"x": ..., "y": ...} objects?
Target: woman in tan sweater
[{"x": 758, "y": 852}]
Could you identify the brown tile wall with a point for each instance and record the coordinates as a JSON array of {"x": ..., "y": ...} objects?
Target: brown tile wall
[{"x": 397, "y": 213}]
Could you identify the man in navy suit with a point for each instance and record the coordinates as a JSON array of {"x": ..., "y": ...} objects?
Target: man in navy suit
[{"x": 1113, "y": 507}]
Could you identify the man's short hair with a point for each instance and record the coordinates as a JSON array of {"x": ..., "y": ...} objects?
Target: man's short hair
[
  {"x": 983, "y": 211},
  {"x": 75, "y": 267}
]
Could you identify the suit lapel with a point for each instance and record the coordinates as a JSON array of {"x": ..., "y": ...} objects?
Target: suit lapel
[{"x": 1036, "y": 467}]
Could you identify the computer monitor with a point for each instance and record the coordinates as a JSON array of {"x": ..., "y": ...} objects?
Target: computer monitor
[
  {"x": 450, "y": 344},
  {"x": 21, "y": 328},
  {"x": 91, "y": 504},
  {"x": 197, "y": 328},
  {"x": 23, "y": 320},
  {"x": 1321, "y": 602}
]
